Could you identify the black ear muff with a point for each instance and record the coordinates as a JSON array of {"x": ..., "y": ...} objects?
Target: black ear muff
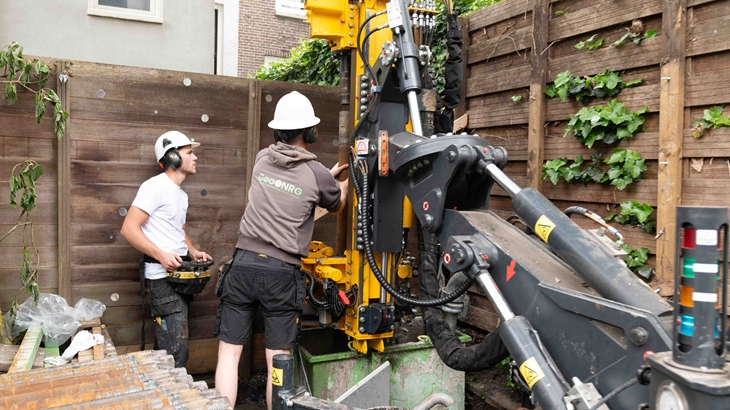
[
  {"x": 310, "y": 135},
  {"x": 172, "y": 159}
]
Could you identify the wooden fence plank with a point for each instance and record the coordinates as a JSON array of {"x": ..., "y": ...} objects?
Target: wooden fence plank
[
  {"x": 671, "y": 124},
  {"x": 511, "y": 39},
  {"x": 537, "y": 101},
  {"x": 602, "y": 14},
  {"x": 581, "y": 62},
  {"x": 708, "y": 29},
  {"x": 498, "y": 12},
  {"x": 64, "y": 194}
]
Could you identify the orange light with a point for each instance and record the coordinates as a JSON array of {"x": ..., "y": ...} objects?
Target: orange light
[{"x": 685, "y": 296}]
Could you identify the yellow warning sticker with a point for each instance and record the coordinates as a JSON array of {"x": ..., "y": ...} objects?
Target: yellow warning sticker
[
  {"x": 531, "y": 371},
  {"x": 277, "y": 376},
  {"x": 543, "y": 227}
]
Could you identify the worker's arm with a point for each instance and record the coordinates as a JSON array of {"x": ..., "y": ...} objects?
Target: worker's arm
[
  {"x": 197, "y": 255},
  {"x": 132, "y": 232}
]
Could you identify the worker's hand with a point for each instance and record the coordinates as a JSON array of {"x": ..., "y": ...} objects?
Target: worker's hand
[
  {"x": 170, "y": 261},
  {"x": 337, "y": 169},
  {"x": 344, "y": 185},
  {"x": 200, "y": 256}
]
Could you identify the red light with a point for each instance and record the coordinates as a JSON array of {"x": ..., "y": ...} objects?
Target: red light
[{"x": 689, "y": 238}]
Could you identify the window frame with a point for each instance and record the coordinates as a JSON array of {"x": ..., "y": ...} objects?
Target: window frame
[
  {"x": 283, "y": 11},
  {"x": 153, "y": 16},
  {"x": 219, "y": 8}
]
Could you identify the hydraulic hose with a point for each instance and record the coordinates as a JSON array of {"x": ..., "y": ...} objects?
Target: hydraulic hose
[
  {"x": 316, "y": 303},
  {"x": 365, "y": 61},
  {"x": 596, "y": 218},
  {"x": 490, "y": 351},
  {"x": 362, "y": 192}
]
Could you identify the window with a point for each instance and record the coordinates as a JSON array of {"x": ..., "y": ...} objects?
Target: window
[
  {"x": 218, "y": 38},
  {"x": 271, "y": 59},
  {"x": 291, "y": 8},
  {"x": 141, "y": 10}
]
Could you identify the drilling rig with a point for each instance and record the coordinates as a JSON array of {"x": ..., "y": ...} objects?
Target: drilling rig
[{"x": 584, "y": 331}]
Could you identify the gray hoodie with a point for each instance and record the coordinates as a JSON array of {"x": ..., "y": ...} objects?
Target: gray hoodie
[{"x": 286, "y": 184}]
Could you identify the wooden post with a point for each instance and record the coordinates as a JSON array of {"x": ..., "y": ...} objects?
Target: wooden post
[
  {"x": 671, "y": 132},
  {"x": 64, "y": 191},
  {"x": 536, "y": 129},
  {"x": 253, "y": 138}
]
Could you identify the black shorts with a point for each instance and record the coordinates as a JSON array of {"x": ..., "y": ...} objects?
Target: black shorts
[{"x": 259, "y": 281}]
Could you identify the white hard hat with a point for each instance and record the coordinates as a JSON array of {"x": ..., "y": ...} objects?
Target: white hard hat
[
  {"x": 293, "y": 112},
  {"x": 170, "y": 140}
]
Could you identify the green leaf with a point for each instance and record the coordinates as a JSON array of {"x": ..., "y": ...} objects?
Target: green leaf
[
  {"x": 622, "y": 39},
  {"x": 598, "y": 43},
  {"x": 563, "y": 78},
  {"x": 645, "y": 271},
  {"x": 620, "y": 183},
  {"x": 40, "y": 107},
  {"x": 11, "y": 94},
  {"x": 517, "y": 98},
  {"x": 650, "y": 33}
]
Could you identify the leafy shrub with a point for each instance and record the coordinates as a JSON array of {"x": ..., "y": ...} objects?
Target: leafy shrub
[
  {"x": 311, "y": 62},
  {"x": 584, "y": 88},
  {"x": 608, "y": 124},
  {"x": 625, "y": 167}
]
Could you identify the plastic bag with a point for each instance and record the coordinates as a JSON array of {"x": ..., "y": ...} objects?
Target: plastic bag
[
  {"x": 89, "y": 309},
  {"x": 57, "y": 319}
]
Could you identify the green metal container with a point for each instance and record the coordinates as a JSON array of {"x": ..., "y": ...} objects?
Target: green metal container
[{"x": 416, "y": 370}]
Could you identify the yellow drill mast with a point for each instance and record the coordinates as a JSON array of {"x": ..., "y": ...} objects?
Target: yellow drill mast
[{"x": 369, "y": 34}]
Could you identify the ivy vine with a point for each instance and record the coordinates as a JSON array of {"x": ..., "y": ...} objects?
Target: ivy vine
[
  {"x": 636, "y": 260},
  {"x": 636, "y": 33},
  {"x": 624, "y": 167},
  {"x": 591, "y": 43},
  {"x": 31, "y": 76},
  {"x": 635, "y": 38},
  {"x": 608, "y": 124},
  {"x": 17, "y": 72},
  {"x": 711, "y": 118},
  {"x": 634, "y": 213},
  {"x": 585, "y": 88}
]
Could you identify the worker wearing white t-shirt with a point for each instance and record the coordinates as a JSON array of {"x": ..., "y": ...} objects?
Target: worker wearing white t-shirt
[{"x": 155, "y": 225}]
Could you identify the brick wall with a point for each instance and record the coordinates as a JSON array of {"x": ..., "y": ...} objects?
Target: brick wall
[{"x": 262, "y": 33}]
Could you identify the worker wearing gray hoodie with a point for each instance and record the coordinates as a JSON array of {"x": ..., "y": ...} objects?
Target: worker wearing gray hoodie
[{"x": 274, "y": 234}]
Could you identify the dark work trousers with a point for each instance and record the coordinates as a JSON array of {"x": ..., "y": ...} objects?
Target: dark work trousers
[{"x": 170, "y": 314}]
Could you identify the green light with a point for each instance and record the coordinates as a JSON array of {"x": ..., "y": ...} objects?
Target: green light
[{"x": 688, "y": 270}]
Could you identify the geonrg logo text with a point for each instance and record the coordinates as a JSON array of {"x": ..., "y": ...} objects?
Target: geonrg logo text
[{"x": 280, "y": 185}]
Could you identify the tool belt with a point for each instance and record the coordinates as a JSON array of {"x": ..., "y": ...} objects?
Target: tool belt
[{"x": 190, "y": 278}]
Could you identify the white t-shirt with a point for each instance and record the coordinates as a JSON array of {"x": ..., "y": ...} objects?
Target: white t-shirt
[{"x": 167, "y": 204}]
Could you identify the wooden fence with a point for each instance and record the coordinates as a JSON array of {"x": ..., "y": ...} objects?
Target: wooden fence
[
  {"x": 516, "y": 47},
  {"x": 93, "y": 173}
]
